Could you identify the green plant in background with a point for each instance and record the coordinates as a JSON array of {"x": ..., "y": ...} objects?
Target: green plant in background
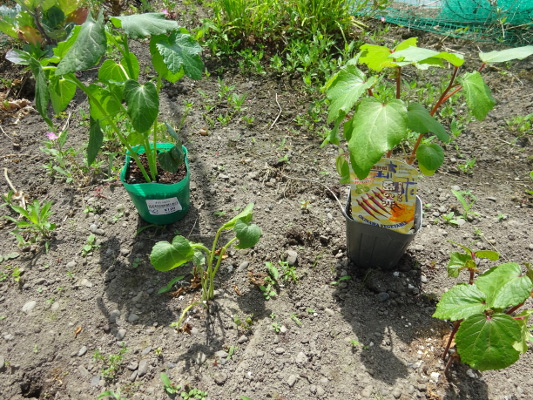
[
  {"x": 468, "y": 166},
  {"x": 521, "y": 124},
  {"x": 489, "y": 331},
  {"x": 61, "y": 158},
  {"x": 34, "y": 225},
  {"x": 166, "y": 256},
  {"x": 467, "y": 201},
  {"x": 122, "y": 104},
  {"x": 375, "y": 123},
  {"x": 41, "y": 24},
  {"x": 111, "y": 393}
]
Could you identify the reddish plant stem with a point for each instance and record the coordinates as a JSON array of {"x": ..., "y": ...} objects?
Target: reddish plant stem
[
  {"x": 398, "y": 81},
  {"x": 441, "y": 100},
  {"x": 512, "y": 310},
  {"x": 456, "y": 325}
]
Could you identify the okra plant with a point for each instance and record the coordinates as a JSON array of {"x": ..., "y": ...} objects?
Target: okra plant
[
  {"x": 490, "y": 327},
  {"x": 166, "y": 256},
  {"x": 375, "y": 119}
]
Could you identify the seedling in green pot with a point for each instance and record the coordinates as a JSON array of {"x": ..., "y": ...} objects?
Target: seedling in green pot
[
  {"x": 166, "y": 256},
  {"x": 489, "y": 330}
]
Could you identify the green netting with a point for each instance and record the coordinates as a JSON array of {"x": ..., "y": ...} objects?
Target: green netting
[{"x": 504, "y": 21}]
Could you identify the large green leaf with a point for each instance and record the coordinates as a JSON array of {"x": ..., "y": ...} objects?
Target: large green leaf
[
  {"x": 143, "y": 104},
  {"x": 376, "y": 57},
  {"x": 144, "y": 25},
  {"x": 180, "y": 50},
  {"x": 159, "y": 64},
  {"x": 486, "y": 342},
  {"x": 460, "y": 302},
  {"x": 376, "y": 128},
  {"x": 477, "y": 94},
  {"x": 96, "y": 138},
  {"x": 421, "y": 121},
  {"x": 61, "y": 92},
  {"x": 417, "y": 55},
  {"x": 248, "y": 234},
  {"x": 518, "y": 53},
  {"x": 345, "y": 90},
  {"x": 112, "y": 71},
  {"x": 504, "y": 285},
  {"x": 166, "y": 256},
  {"x": 105, "y": 98},
  {"x": 245, "y": 215},
  {"x": 89, "y": 47},
  {"x": 430, "y": 157}
]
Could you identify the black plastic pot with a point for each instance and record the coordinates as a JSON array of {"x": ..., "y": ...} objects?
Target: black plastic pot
[{"x": 375, "y": 247}]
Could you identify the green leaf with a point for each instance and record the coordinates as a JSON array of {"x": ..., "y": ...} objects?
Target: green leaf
[
  {"x": 421, "y": 121},
  {"x": 89, "y": 47},
  {"x": 345, "y": 90},
  {"x": 143, "y": 104},
  {"x": 343, "y": 168},
  {"x": 169, "y": 285},
  {"x": 458, "y": 262},
  {"x": 486, "y": 342},
  {"x": 112, "y": 71},
  {"x": 430, "y": 157},
  {"x": 166, "y": 256},
  {"x": 477, "y": 94},
  {"x": 62, "y": 92},
  {"x": 248, "y": 234},
  {"x": 109, "y": 103},
  {"x": 96, "y": 139},
  {"x": 522, "y": 345},
  {"x": 504, "y": 285},
  {"x": 518, "y": 53},
  {"x": 42, "y": 95},
  {"x": 159, "y": 64},
  {"x": 427, "y": 57},
  {"x": 376, "y": 57},
  {"x": 173, "y": 133},
  {"x": 143, "y": 25},
  {"x": 376, "y": 128},
  {"x": 172, "y": 159},
  {"x": 488, "y": 254},
  {"x": 180, "y": 51},
  {"x": 460, "y": 302},
  {"x": 406, "y": 44},
  {"x": 245, "y": 215}
]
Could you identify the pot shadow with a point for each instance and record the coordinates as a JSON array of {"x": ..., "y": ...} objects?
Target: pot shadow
[{"x": 391, "y": 316}]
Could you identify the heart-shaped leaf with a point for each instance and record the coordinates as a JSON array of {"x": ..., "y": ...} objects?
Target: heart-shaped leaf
[
  {"x": 460, "y": 302},
  {"x": 430, "y": 157},
  {"x": 478, "y": 97},
  {"x": 486, "y": 342},
  {"x": 248, "y": 234},
  {"x": 166, "y": 256},
  {"x": 143, "y": 104}
]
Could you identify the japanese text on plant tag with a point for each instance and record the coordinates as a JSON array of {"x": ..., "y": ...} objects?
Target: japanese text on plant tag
[
  {"x": 164, "y": 206},
  {"x": 387, "y": 197}
]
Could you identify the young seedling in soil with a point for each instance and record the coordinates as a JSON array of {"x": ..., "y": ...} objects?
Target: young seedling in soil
[
  {"x": 166, "y": 256},
  {"x": 489, "y": 331}
]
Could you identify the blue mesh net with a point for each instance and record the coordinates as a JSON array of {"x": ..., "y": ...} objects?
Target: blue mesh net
[{"x": 504, "y": 21}]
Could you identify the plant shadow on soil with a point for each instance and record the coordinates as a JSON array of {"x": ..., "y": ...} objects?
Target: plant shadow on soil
[{"x": 402, "y": 321}]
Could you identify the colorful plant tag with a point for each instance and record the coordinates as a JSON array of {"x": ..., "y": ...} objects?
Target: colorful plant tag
[
  {"x": 163, "y": 207},
  {"x": 387, "y": 196}
]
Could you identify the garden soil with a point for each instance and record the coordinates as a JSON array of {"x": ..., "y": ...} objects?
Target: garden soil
[{"x": 75, "y": 323}]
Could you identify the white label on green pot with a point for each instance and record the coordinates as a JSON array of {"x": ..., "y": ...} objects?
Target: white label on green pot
[{"x": 164, "y": 206}]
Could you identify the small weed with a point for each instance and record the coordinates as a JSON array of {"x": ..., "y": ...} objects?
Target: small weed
[
  {"x": 296, "y": 320},
  {"x": 170, "y": 285},
  {"x": 169, "y": 387},
  {"x": 468, "y": 166},
  {"x": 112, "y": 363},
  {"x": 90, "y": 246},
  {"x": 451, "y": 218},
  {"x": 341, "y": 279},
  {"x": 112, "y": 394},
  {"x": 276, "y": 326},
  {"x": 35, "y": 225},
  {"x": 244, "y": 325},
  {"x": 467, "y": 200}
]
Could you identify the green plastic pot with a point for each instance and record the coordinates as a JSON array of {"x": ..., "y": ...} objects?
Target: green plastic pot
[{"x": 159, "y": 203}]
